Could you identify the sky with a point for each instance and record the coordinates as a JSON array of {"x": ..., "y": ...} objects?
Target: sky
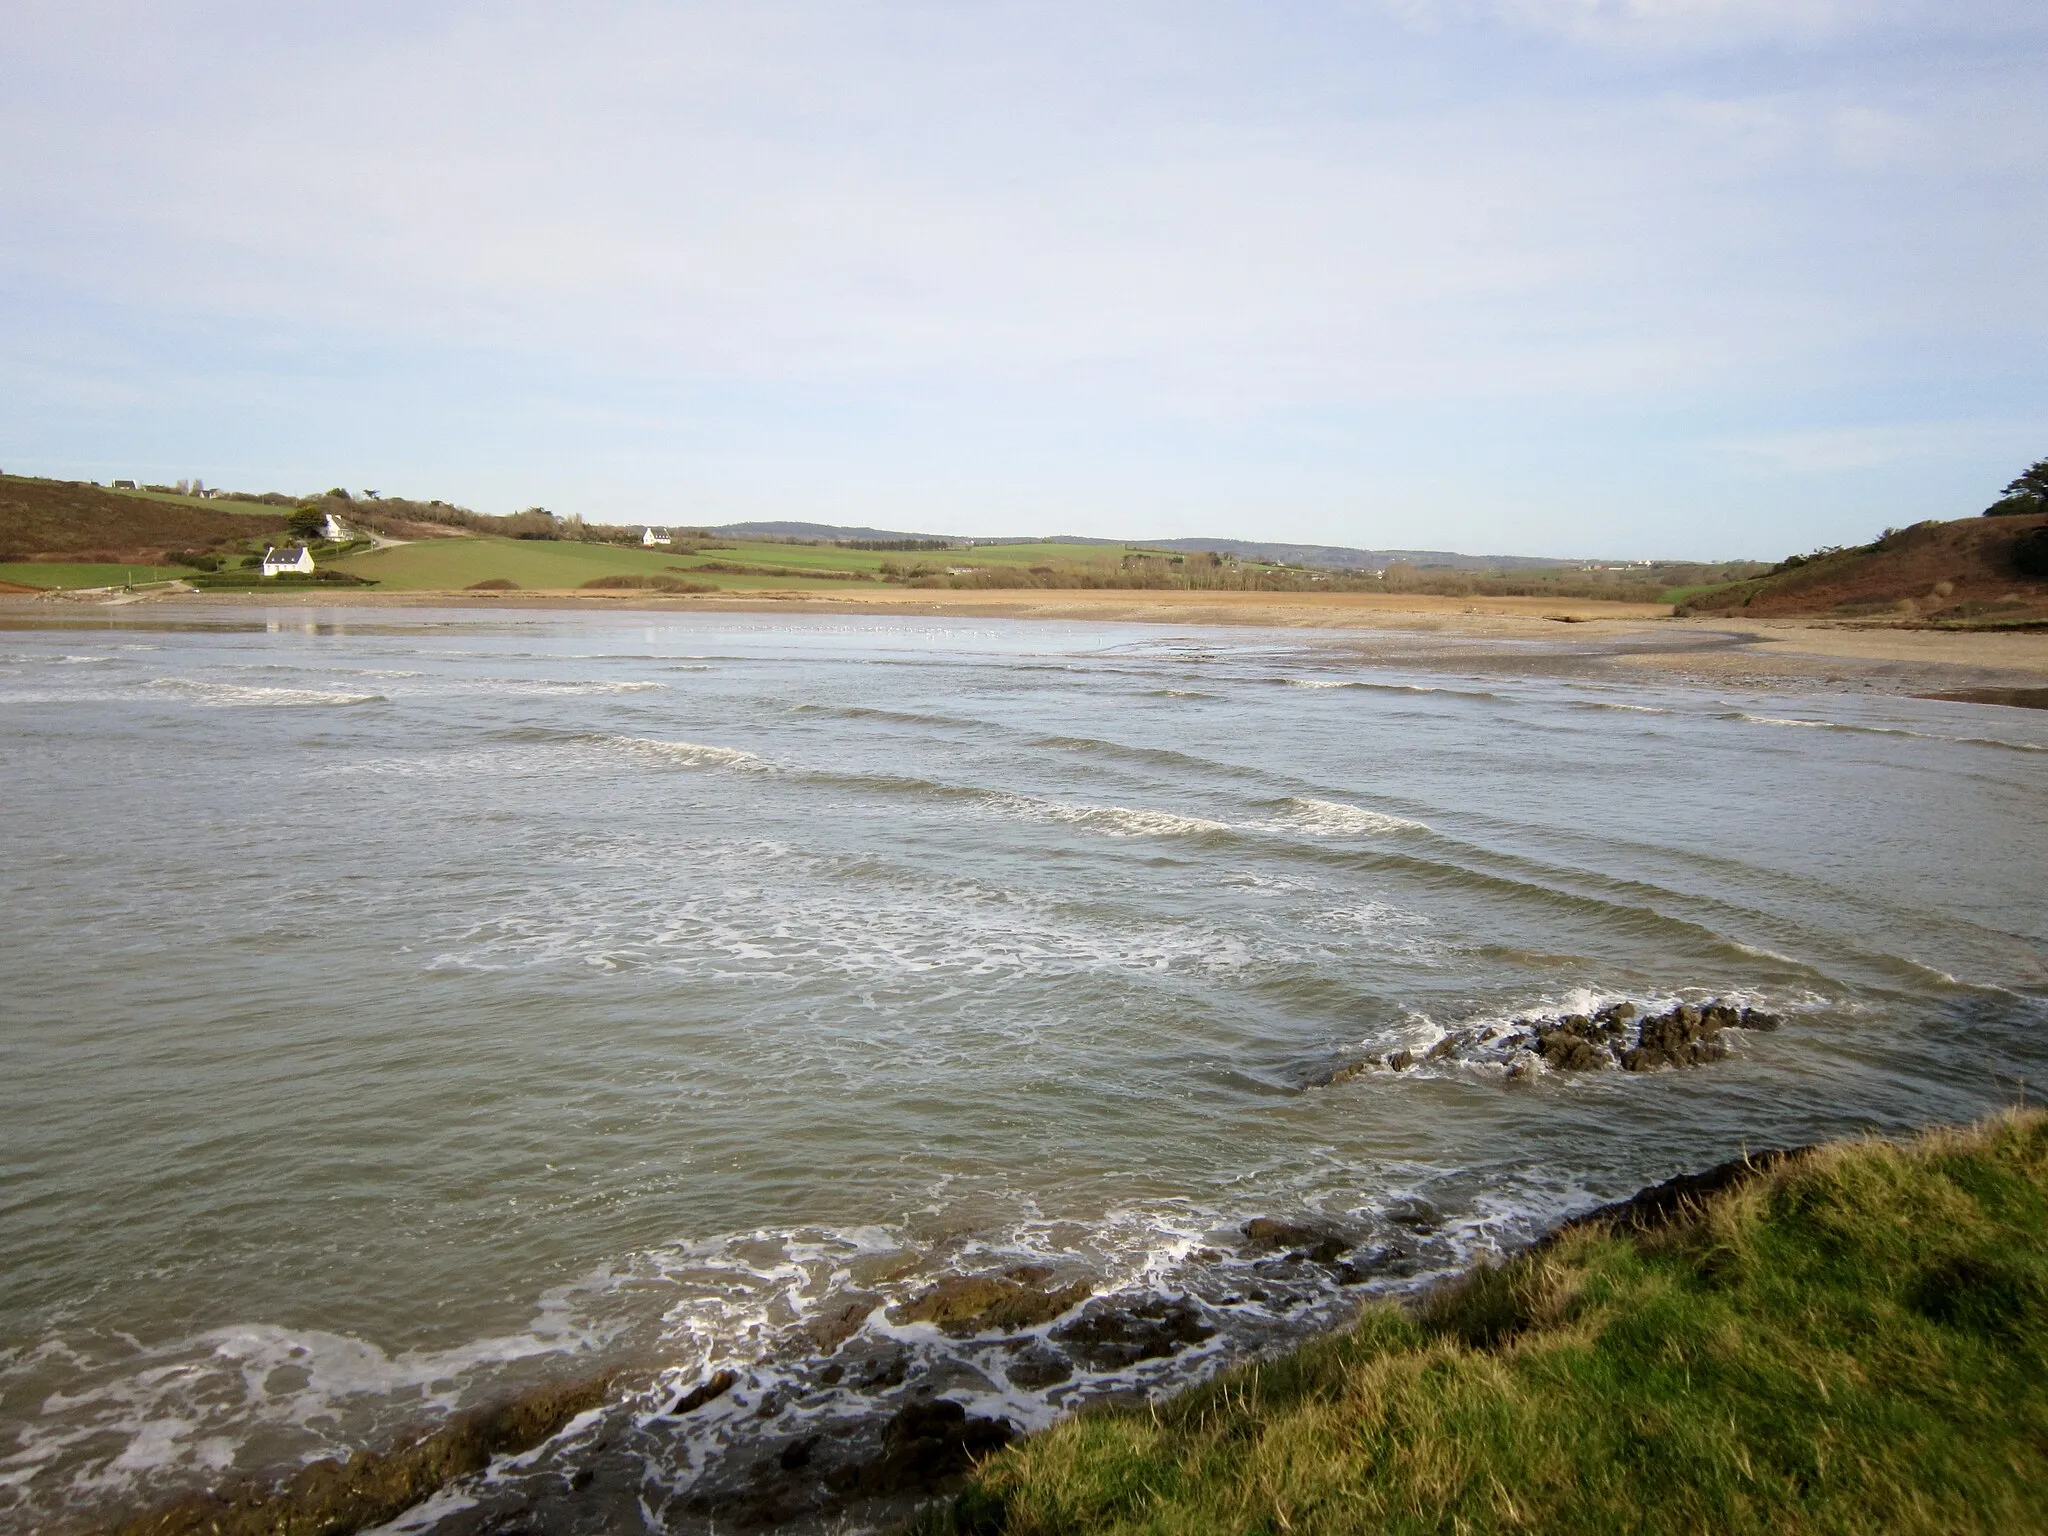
[{"x": 1632, "y": 278}]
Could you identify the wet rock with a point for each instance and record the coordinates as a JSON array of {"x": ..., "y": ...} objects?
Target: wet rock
[
  {"x": 884, "y": 1371},
  {"x": 1401, "y": 1061},
  {"x": 797, "y": 1453},
  {"x": 1036, "y": 1369},
  {"x": 1444, "y": 1047},
  {"x": 715, "y": 1386},
  {"x": 1343, "y": 1072},
  {"x": 839, "y": 1319},
  {"x": 1756, "y": 1018},
  {"x": 1113, "y": 1337},
  {"x": 1566, "y": 1050},
  {"x": 926, "y": 1447},
  {"x": 1416, "y": 1215},
  {"x": 964, "y": 1305},
  {"x": 1316, "y": 1243}
]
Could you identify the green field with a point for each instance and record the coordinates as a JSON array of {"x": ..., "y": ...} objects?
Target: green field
[
  {"x": 1680, "y": 594},
  {"x": 1854, "y": 1340},
  {"x": 202, "y": 504},
  {"x": 448, "y": 565},
  {"x": 51, "y": 573}
]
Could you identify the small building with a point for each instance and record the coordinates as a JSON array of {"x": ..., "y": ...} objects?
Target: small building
[
  {"x": 655, "y": 536},
  {"x": 298, "y": 560},
  {"x": 335, "y": 531},
  {"x": 124, "y": 485}
]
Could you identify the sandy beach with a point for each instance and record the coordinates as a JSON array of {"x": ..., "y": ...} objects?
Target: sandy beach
[{"x": 1642, "y": 635}]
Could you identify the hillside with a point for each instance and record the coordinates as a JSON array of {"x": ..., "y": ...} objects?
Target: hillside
[
  {"x": 1849, "y": 1339},
  {"x": 1333, "y": 557},
  {"x": 81, "y": 524},
  {"x": 1965, "y": 573}
]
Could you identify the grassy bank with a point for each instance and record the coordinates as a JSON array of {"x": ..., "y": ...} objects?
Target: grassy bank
[{"x": 1854, "y": 1340}]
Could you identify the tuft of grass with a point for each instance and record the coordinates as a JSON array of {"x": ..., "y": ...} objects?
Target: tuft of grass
[{"x": 1853, "y": 1340}]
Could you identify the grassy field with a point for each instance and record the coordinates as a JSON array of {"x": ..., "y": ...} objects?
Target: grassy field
[
  {"x": 203, "y": 504},
  {"x": 446, "y": 565},
  {"x": 1853, "y": 1341},
  {"x": 1680, "y": 594},
  {"x": 54, "y": 574}
]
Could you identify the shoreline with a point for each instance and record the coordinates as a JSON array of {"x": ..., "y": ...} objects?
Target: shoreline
[
  {"x": 1802, "y": 649},
  {"x": 933, "y": 1453}
]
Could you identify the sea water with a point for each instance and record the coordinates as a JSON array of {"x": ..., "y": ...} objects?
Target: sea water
[{"x": 399, "y": 1010}]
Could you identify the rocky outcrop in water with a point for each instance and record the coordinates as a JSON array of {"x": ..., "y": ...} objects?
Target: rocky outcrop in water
[
  {"x": 964, "y": 1305},
  {"x": 1620, "y": 1035}
]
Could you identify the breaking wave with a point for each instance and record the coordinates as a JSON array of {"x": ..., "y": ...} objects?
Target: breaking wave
[{"x": 243, "y": 696}]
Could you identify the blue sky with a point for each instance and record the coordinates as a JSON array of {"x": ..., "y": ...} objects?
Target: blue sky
[{"x": 1622, "y": 277}]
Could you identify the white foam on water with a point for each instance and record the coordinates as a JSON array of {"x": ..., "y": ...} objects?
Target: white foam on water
[
  {"x": 242, "y": 696},
  {"x": 1333, "y": 818},
  {"x": 762, "y": 911},
  {"x": 1110, "y": 820},
  {"x": 1889, "y": 730},
  {"x": 689, "y": 754},
  {"x": 133, "y": 1419},
  {"x": 551, "y": 688}
]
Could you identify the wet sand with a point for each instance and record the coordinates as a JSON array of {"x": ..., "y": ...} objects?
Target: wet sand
[{"x": 1763, "y": 652}]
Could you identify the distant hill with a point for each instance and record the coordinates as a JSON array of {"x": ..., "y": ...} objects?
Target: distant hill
[
  {"x": 1972, "y": 572},
  {"x": 1335, "y": 557},
  {"x": 72, "y": 521}
]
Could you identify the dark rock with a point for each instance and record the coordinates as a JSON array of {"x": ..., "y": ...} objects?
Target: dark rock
[
  {"x": 964, "y": 1305},
  {"x": 831, "y": 1374},
  {"x": 1318, "y": 1244},
  {"x": 798, "y": 1453},
  {"x": 705, "y": 1391},
  {"x": 1756, "y": 1018},
  {"x": 1568, "y": 1051},
  {"x": 1116, "y": 1336},
  {"x": 926, "y": 1447},
  {"x": 1617, "y": 1013},
  {"x": 885, "y": 1371},
  {"x": 1401, "y": 1061},
  {"x": 1444, "y": 1047},
  {"x": 840, "y": 1319},
  {"x": 1415, "y": 1215},
  {"x": 1036, "y": 1369},
  {"x": 1657, "y": 1205}
]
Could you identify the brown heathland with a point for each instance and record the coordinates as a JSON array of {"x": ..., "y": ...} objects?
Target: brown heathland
[
  {"x": 62, "y": 519},
  {"x": 1961, "y": 573}
]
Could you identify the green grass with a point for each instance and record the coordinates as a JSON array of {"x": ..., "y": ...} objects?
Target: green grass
[
  {"x": 447, "y": 565},
  {"x": 51, "y": 573},
  {"x": 203, "y": 504},
  {"x": 1680, "y": 594},
  {"x": 444, "y": 565},
  {"x": 1855, "y": 1341}
]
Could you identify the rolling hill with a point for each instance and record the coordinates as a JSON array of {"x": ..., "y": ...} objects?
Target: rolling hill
[
  {"x": 64, "y": 520},
  {"x": 1968, "y": 573}
]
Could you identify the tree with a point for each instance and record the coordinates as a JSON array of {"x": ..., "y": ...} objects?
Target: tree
[
  {"x": 305, "y": 522},
  {"x": 2028, "y": 492}
]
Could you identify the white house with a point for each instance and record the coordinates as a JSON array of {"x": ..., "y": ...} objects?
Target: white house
[
  {"x": 335, "y": 530},
  {"x": 656, "y": 536},
  {"x": 277, "y": 561}
]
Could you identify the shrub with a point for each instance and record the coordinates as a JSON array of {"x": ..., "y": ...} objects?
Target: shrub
[
  {"x": 644, "y": 583},
  {"x": 495, "y": 584},
  {"x": 2030, "y": 553}
]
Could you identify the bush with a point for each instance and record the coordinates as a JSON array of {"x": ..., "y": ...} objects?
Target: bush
[
  {"x": 644, "y": 583},
  {"x": 495, "y": 584},
  {"x": 2030, "y": 553}
]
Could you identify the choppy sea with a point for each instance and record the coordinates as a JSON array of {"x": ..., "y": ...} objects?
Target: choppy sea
[{"x": 402, "y": 1010}]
